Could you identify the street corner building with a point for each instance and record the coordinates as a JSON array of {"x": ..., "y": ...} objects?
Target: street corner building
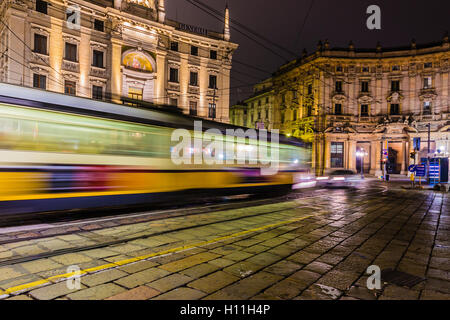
[
  {"x": 119, "y": 50},
  {"x": 391, "y": 103}
]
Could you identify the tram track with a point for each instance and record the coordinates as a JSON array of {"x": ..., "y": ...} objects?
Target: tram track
[
  {"x": 136, "y": 217},
  {"x": 129, "y": 239}
]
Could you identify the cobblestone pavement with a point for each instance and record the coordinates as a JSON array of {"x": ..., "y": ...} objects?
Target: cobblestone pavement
[{"x": 315, "y": 247}]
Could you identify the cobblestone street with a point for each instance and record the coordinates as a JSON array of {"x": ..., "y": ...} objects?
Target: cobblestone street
[{"x": 313, "y": 247}]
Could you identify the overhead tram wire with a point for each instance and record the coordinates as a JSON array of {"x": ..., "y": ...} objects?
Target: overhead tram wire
[
  {"x": 244, "y": 27},
  {"x": 220, "y": 19},
  {"x": 303, "y": 25},
  {"x": 88, "y": 88},
  {"x": 51, "y": 79},
  {"x": 200, "y": 48},
  {"x": 220, "y": 16}
]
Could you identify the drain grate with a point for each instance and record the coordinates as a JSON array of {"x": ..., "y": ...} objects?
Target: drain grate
[{"x": 400, "y": 278}]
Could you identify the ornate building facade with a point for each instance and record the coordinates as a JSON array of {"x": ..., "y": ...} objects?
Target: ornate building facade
[
  {"x": 393, "y": 103},
  {"x": 116, "y": 48}
]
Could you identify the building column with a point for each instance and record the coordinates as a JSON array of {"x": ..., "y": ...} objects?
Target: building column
[
  {"x": 224, "y": 109},
  {"x": 374, "y": 161},
  {"x": 55, "y": 53},
  {"x": 352, "y": 155},
  {"x": 17, "y": 73},
  {"x": 161, "y": 78},
  {"x": 327, "y": 155},
  {"x": 404, "y": 161},
  {"x": 85, "y": 65},
  {"x": 313, "y": 157},
  {"x": 116, "y": 72}
]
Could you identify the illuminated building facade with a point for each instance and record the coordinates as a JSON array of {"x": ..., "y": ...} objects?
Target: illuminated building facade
[
  {"x": 115, "y": 49},
  {"x": 346, "y": 99}
]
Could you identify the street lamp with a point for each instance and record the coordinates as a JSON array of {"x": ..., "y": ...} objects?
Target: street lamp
[{"x": 360, "y": 154}]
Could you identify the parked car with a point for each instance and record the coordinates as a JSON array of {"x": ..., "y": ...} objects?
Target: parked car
[{"x": 339, "y": 179}]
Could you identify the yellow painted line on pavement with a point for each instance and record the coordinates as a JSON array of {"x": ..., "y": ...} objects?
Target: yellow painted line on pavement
[{"x": 25, "y": 287}]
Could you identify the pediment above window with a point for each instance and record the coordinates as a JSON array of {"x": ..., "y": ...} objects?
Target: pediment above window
[
  {"x": 395, "y": 97},
  {"x": 339, "y": 98},
  {"x": 427, "y": 95},
  {"x": 365, "y": 99}
]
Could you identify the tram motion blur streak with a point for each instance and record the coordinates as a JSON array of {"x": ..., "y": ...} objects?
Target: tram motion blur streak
[{"x": 63, "y": 152}]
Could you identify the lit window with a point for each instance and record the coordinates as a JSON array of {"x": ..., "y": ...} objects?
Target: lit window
[
  {"x": 427, "y": 107},
  {"x": 337, "y": 154},
  {"x": 70, "y": 87},
  {"x": 427, "y": 82}
]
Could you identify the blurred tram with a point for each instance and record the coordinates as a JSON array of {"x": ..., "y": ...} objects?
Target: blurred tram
[{"x": 60, "y": 152}]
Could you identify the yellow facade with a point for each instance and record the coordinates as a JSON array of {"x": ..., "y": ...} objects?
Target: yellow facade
[
  {"x": 344, "y": 100},
  {"x": 118, "y": 47}
]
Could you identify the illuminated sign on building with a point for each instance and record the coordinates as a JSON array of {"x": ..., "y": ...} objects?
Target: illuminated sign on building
[{"x": 193, "y": 29}]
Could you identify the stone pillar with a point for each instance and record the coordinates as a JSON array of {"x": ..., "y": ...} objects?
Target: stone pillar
[
  {"x": 313, "y": 157},
  {"x": 116, "y": 72},
  {"x": 17, "y": 65},
  {"x": 56, "y": 52},
  {"x": 85, "y": 65},
  {"x": 327, "y": 155},
  {"x": 404, "y": 161},
  {"x": 161, "y": 78},
  {"x": 161, "y": 11},
  {"x": 184, "y": 74},
  {"x": 352, "y": 155},
  {"x": 224, "y": 92},
  {"x": 374, "y": 160}
]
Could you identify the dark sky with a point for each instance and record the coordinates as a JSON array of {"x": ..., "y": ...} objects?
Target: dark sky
[{"x": 338, "y": 21}]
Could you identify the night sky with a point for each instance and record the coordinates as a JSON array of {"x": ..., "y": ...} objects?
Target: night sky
[{"x": 282, "y": 21}]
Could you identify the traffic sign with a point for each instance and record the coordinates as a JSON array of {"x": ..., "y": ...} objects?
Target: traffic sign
[
  {"x": 412, "y": 168},
  {"x": 421, "y": 170}
]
